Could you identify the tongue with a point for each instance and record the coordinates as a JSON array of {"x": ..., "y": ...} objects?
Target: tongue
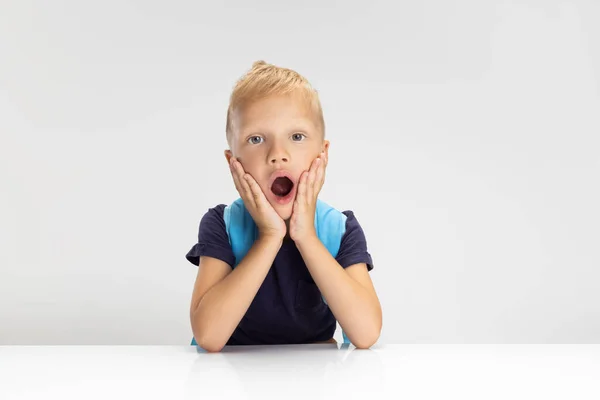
[{"x": 282, "y": 186}]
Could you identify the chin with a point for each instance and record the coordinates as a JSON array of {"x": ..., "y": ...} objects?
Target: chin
[{"x": 285, "y": 212}]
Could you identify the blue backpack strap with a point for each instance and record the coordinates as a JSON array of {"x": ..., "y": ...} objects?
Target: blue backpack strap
[
  {"x": 330, "y": 225},
  {"x": 241, "y": 229}
]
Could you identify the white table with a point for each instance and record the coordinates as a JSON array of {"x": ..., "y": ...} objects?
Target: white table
[{"x": 325, "y": 371}]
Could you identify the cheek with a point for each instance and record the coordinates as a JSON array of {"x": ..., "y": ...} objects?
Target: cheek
[
  {"x": 252, "y": 171},
  {"x": 310, "y": 159},
  {"x": 306, "y": 157},
  {"x": 256, "y": 172}
]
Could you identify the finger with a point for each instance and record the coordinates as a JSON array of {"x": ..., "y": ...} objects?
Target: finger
[
  {"x": 235, "y": 176},
  {"x": 250, "y": 196},
  {"x": 311, "y": 179},
  {"x": 257, "y": 193},
  {"x": 246, "y": 190},
  {"x": 323, "y": 168},
  {"x": 319, "y": 178},
  {"x": 301, "y": 194},
  {"x": 323, "y": 158}
]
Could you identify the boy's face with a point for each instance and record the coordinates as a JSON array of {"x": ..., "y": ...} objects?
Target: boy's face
[{"x": 274, "y": 134}]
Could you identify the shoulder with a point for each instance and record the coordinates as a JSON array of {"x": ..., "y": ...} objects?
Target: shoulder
[
  {"x": 212, "y": 237},
  {"x": 353, "y": 227},
  {"x": 214, "y": 215},
  {"x": 216, "y": 210},
  {"x": 350, "y": 218},
  {"x": 353, "y": 248},
  {"x": 212, "y": 223}
]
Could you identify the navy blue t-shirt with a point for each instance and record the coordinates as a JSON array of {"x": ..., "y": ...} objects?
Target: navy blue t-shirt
[{"x": 288, "y": 307}]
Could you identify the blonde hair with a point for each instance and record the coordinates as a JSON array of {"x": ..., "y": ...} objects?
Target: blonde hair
[{"x": 264, "y": 80}]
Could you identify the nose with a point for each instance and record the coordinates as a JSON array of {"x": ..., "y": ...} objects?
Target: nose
[
  {"x": 275, "y": 160},
  {"x": 278, "y": 155}
]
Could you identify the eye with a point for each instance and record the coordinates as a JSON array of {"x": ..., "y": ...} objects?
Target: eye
[
  {"x": 253, "y": 137},
  {"x": 295, "y": 135}
]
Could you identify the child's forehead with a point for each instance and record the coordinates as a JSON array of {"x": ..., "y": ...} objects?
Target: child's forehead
[
  {"x": 291, "y": 106},
  {"x": 269, "y": 114}
]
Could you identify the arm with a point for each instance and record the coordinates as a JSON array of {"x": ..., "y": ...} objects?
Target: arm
[
  {"x": 220, "y": 301},
  {"x": 349, "y": 292}
]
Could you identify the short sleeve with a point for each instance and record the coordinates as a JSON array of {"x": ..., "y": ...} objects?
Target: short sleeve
[
  {"x": 212, "y": 238},
  {"x": 353, "y": 249}
]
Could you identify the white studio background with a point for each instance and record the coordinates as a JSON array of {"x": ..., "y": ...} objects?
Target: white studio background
[{"x": 464, "y": 136}]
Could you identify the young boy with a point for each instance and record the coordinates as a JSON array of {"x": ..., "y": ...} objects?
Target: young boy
[{"x": 287, "y": 288}]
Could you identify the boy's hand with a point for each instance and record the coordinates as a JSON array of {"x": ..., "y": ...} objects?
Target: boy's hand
[
  {"x": 302, "y": 222},
  {"x": 266, "y": 218}
]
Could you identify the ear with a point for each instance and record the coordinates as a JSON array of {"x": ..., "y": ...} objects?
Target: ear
[
  {"x": 326, "y": 148},
  {"x": 228, "y": 155}
]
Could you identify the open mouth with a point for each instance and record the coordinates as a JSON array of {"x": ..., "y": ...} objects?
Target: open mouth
[{"x": 282, "y": 186}]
